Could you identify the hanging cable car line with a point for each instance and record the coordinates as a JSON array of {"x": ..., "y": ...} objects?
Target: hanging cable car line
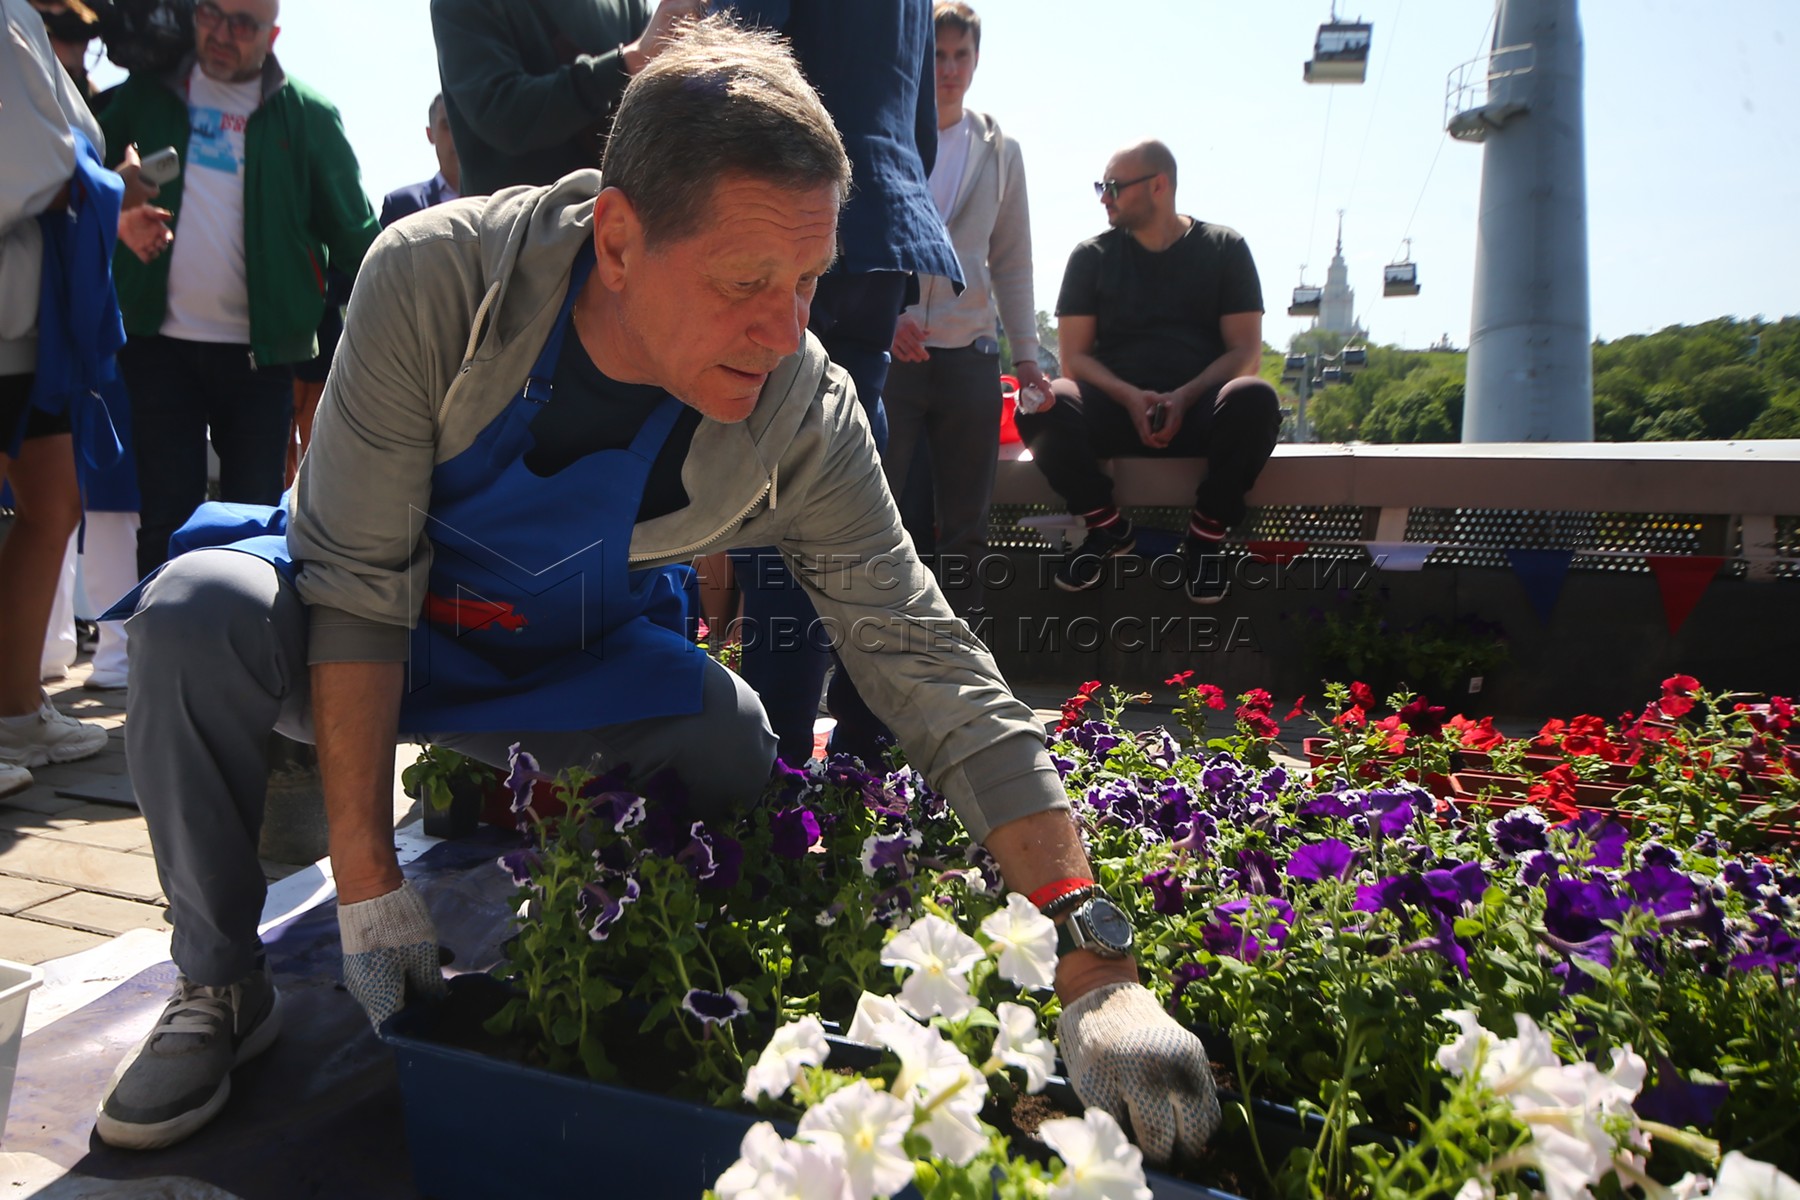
[
  {"x": 1387, "y": 56},
  {"x": 1319, "y": 182}
]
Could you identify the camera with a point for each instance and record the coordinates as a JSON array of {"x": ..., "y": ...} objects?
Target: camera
[{"x": 146, "y": 35}]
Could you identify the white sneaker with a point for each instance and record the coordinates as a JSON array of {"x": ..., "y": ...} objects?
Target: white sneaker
[
  {"x": 13, "y": 779},
  {"x": 52, "y": 737}
]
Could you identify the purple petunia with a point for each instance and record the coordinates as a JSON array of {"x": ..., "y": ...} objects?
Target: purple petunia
[
  {"x": 1679, "y": 1102},
  {"x": 793, "y": 832},
  {"x": 1259, "y": 873},
  {"x": 1063, "y": 765},
  {"x": 1167, "y": 894},
  {"x": 1457, "y": 885},
  {"x": 1519, "y": 831},
  {"x": 711, "y": 858},
  {"x": 1329, "y": 859},
  {"x": 1535, "y": 866},
  {"x": 1604, "y": 836},
  {"x": 523, "y": 773},
  {"x": 1655, "y": 854},
  {"x": 890, "y": 852},
  {"x": 1574, "y": 914},
  {"x": 1096, "y": 737},
  {"x": 1231, "y": 932},
  {"x": 715, "y": 1008},
  {"x": 1747, "y": 877},
  {"x": 1393, "y": 811},
  {"x": 620, "y": 810},
  {"x": 520, "y": 864},
  {"x": 1184, "y": 975},
  {"x": 1325, "y": 804},
  {"x": 602, "y": 907},
  {"x": 1771, "y": 946}
]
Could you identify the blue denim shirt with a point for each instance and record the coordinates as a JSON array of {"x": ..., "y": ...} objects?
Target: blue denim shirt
[{"x": 874, "y": 64}]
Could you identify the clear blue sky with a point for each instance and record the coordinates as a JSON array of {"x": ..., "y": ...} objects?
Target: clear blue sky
[{"x": 1693, "y": 138}]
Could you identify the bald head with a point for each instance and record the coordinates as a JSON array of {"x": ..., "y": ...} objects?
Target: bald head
[
  {"x": 1151, "y": 157},
  {"x": 233, "y": 37}
]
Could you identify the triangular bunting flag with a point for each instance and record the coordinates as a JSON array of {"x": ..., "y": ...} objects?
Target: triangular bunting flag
[
  {"x": 1400, "y": 556},
  {"x": 1542, "y": 573},
  {"x": 1683, "y": 579},
  {"x": 1279, "y": 553}
]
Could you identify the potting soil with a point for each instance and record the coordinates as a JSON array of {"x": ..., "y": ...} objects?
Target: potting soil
[{"x": 318, "y": 1115}]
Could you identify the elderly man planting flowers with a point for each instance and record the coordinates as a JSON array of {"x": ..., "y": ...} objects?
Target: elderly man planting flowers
[{"x": 546, "y": 403}]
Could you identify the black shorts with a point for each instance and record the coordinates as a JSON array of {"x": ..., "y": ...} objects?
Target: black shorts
[{"x": 15, "y": 404}]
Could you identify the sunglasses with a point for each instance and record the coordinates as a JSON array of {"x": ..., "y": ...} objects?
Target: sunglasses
[
  {"x": 240, "y": 25},
  {"x": 1112, "y": 187}
]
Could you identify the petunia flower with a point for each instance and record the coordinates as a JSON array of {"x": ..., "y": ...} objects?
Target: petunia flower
[
  {"x": 1743, "y": 1178},
  {"x": 864, "y": 1129},
  {"x": 792, "y": 832},
  {"x": 795, "y": 1045},
  {"x": 1424, "y": 718},
  {"x": 873, "y": 1012},
  {"x": 936, "y": 1076},
  {"x": 1237, "y": 930},
  {"x": 602, "y": 907},
  {"x": 1679, "y": 1102},
  {"x": 770, "y": 1166},
  {"x": 520, "y": 864},
  {"x": 938, "y": 956},
  {"x": 1023, "y": 941},
  {"x": 1329, "y": 859},
  {"x": 890, "y": 851},
  {"x": 1259, "y": 871},
  {"x": 1020, "y": 1044},
  {"x": 714, "y": 1008},
  {"x": 1099, "y": 1162},
  {"x": 621, "y": 810},
  {"x": 523, "y": 774},
  {"x": 1520, "y": 830},
  {"x": 1167, "y": 894},
  {"x": 1393, "y": 809}
]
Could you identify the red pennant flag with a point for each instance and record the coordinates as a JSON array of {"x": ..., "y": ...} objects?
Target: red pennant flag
[
  {"x": 1683, "y": 579},
  {"x": 1279, "y": 553}
]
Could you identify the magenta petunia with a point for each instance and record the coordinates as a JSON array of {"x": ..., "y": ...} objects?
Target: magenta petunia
[{"x": 1329, "y": 859}]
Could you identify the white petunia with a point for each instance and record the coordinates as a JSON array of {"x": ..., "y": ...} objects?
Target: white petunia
[
  {"x": 795, "y": 1045},
  {"x": 1099, "y": 1163},
  {"x": 872, "y": 1012},
  {"x": 934, "y": 1074},
  {"x": 1475, "y": 1188},
  {"x": 771, "y": 1168},
  {"x": 1020, "y": 1044},
  {"x": 939, "y": 956},
  {"x": 1743, "y": 1178},
  {"x": 866, "y": 1128},
  {"x": 1024, "y": 941}
]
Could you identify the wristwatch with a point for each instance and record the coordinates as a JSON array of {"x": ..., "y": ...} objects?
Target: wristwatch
[{"x": 1097, "y": 925}]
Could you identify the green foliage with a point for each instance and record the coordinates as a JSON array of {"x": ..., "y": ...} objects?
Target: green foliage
[
  {"x": 438, "y": 770},
  {"x": 1718, "y": 380}
]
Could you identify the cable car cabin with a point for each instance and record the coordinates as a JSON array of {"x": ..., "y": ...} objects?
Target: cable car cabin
[
  {"x": 1340, "y": 54},
  {"x": 1306, "y": 302},
  {"x": 1400, "y": 279},
  {"x": 1355, "y": 358},
  {"x": 1294, "y": 366},
  {"x": 1332, "y": 375}
]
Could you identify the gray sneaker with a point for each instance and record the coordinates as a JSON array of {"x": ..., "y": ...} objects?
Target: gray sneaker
[{"x": 180, "y": 1077}]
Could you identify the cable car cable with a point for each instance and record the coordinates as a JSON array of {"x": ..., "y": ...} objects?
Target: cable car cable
[
  {"x": 1319, "y": 182},
  {"x": 1387, "y": 57}
]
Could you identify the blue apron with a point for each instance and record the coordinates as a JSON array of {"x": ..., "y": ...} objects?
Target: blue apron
[{"x": 533, "y": 618}]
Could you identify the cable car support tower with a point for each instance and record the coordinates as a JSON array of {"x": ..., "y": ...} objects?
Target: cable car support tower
[{"x": 1530, "y": 372}]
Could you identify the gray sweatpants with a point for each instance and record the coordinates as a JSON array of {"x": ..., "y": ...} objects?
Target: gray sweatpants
[{"x": 218, "y": 661}]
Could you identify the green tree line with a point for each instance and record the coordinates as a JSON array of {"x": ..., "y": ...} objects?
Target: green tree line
[{"x": 1718, "y": 380}]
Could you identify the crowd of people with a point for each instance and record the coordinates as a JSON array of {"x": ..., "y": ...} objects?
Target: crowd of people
[{"x": 786, "y": 266}]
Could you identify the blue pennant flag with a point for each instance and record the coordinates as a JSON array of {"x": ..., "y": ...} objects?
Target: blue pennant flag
[{"x": 1542, "y": 573}]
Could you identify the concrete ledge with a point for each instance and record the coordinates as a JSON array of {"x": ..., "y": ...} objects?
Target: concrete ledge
[{"x": 1686, "y": 477}]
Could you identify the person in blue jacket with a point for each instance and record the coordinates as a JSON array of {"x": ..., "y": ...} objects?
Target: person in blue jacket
[{"x": 874, "y": 63}]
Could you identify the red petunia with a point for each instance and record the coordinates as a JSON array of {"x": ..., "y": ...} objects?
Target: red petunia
[
  {"x": 1210, "y": 696},
  {"x": 1477, "y": 735},
  {"x": 1258, "y": 699},
  {"x": 1362, "y": 695},
  {"x": 1423, "y": 717},
  {"x": 1678, "y": 696},
  {"x": 1259, "y": 723},
  {"x": 1179, "y": 679},
  {"x": 1555, "y": 789},
  {"x": 1350, "y": 718},
  {"x": 1396, "y": 736},
  {"x": 1295, "y": 711}
]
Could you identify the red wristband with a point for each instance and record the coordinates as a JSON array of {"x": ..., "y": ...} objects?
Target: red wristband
[{"x": 1050, "y": 893}]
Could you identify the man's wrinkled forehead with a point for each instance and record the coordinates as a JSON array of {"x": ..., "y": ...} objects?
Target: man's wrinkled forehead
[{"x": 268, "y": 11}]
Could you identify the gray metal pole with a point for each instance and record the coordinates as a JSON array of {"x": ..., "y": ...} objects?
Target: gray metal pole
[{"x": 1530, "y": 346}]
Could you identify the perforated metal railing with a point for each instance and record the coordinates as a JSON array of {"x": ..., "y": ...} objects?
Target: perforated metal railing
[{"x": 1469, "y": 537}]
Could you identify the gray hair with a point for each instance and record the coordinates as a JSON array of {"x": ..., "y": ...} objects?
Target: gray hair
[{"x": 721, "y": 100}]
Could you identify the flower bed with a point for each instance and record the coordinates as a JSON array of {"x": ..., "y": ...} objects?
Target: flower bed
[{"x": 1354, "y": 947}]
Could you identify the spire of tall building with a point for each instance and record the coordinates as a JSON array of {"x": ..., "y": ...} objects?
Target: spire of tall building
[{"x": 1337, "y": 307}]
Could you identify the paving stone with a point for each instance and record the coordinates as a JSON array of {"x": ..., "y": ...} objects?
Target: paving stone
[
  {"x": 16, "y": 894},
  {"x": 39, "y": 798},
  {"x": 91, "y": 868},
  {"x": 34, "y": 942},
  {"x": 23, "y": 820},
  {"x": 114, "y": 835},
  {"x": 100, "y": 914}
]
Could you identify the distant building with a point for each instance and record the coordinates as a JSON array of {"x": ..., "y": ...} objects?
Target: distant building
[{"x": 1337, "y": 307}]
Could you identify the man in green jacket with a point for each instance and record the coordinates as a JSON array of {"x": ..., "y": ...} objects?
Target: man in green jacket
[{"x": 269, "y": 195}]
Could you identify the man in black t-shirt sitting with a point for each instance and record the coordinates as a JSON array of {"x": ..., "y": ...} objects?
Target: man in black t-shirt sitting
[{"x": 1160, "y": 323}]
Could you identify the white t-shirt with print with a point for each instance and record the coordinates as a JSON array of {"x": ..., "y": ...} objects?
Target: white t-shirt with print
[
  {"x": 209, "y": 300},
  {"x": 952, "y": 160}
]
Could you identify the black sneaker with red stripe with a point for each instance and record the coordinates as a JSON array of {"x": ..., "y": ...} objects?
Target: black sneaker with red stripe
[{"x": 1085, "y": 569}]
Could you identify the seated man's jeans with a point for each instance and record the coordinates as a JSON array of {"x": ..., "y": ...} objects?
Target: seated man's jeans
[
  {"x": 1235, "y": 432},
  {"x": 784, "y": 654},
  {"x": 218, "y": 663}
]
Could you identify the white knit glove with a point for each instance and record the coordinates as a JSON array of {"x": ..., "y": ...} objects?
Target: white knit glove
[
  {"x": 390, "y": 947},
  {"x": 1129, "y": 1057}
]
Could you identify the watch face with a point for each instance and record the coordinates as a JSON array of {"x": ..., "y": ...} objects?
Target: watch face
[{"x": 1110, "y": 927}]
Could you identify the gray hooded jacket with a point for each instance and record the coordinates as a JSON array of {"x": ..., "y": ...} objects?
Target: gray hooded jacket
[{"x": 450, "y": 310}]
